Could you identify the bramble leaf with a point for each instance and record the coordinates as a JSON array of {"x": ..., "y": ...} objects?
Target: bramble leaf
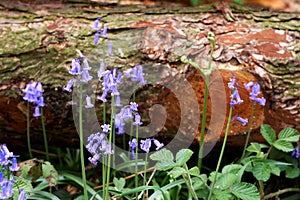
[
  {"x": 268, "y": 133},
  {"x": 245, "y": 191},
  {"x": 289, "y": 134},
  {"x": 283, "y": 145},
  {"x": 183, "y": 156}
]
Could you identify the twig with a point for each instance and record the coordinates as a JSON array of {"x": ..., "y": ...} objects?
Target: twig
[{"x": 279, "y": 192}]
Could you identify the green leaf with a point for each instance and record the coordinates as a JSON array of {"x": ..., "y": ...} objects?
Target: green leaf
[
  {"x": 245, "y": 191},
  {"x": 199, "y": 182},
  {"x": 162, "y": 155},
  {"x": 268, "y": 133},
  {"x": 225, "y": 181},
  {"x": 119, "y": 183},
  {"x": 25, "y": 169},
  {"x": 289, "y": 134},
  {"x": 283, "y": 145},
  {"x": 176, "y": 172},
  {"x": 183, "y": 156},
  {"x": 50, "y": 173},
  {"x": 194, "y": 171},
  {"x": 212, "y": 176},
  {"x": 292, "y": 172},
  {"x": 261, "y": 171},
  {"x": 232, "y": 168},
  {"x": 254, "y": 147},
  {"x": 158, "y": 195},
  {"x": 222, "y": 194},
  {"x": 165, "y": 165},
  {"x": 275, "y": 170}
]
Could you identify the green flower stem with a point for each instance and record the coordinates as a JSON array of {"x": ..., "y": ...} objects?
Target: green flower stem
[
  {"x": 249, "y": 130},
  {"x": 106, "y": 195},
  {"x": 145, "y": 175},
  {"x": 206, "y": 74},
  {"x": 136, "y": 178},
  {"x": 103, "y": 157},
  {"x": 104, "y": 161},
  {"x": 188, "y": 181},
  {"x": 85, "y": 194},
  {"x": 28, "y": 129},
  {"x": 203, "y": 122},
  {"x": 44, "y": 134},
  {"x": 221, "y": 154}
]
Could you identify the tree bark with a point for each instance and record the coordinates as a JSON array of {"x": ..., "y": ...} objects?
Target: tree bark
[{"x": 38, "y": 42}]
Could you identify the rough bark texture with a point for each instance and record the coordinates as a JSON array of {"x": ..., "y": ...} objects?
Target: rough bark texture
[{"x": 39, "y": 41}]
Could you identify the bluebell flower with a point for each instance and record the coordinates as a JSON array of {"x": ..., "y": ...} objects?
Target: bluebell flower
[
  {"x": 4, "y": 152},
  {"x": 296, "y": 153},
  {"x": 133, "y": 144},
  {"x": 88, "y": 102},
  {"x": 231, "y": 84},
  {"x": 235, "y": 98},
  {"x": 40, "y": 101},
  {"x": 85, "y": 76},
  {"x": 126, "y": 113},
  {"x": 1, "y": 177},
  {"x": 109, "y": 48},
  {"x": 69, "y": 86},
  {"x": 96, "y": 24},
  {"x": 244, "y": 121},
  {"x": 138, "y": 75},
  {"x": 105, "y": 128},
  {"x": 146, "y": 145},
  {"x": 14, "y": 165},
  {"x": 118, "y": 101},
  {"x": 94, "y": 159},
  {"x": 119, "y": 123},
  {"x": 98, "y": 146},
  {"x": 22, "y": 195},
  {"x": 104, "y": 31},
  {"x": 7, "y": 190},
  {"x": 255, "y": 92},
  {"x": 248, "y": 85},
  {"x": 137, "y": 120},
  {"x": 75, "y": 67},
  {"x": 37, "y": 112},
  {"x": 157, "y": 144},
  {"x": 128, "y": 72},
  {"x": 101, "y": 70},
  {"x": 134, "y": 106},
  {"x": 96, "y": 38}
]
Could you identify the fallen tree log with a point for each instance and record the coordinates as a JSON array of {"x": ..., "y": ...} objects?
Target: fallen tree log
[{"x": 38, "y": 42}]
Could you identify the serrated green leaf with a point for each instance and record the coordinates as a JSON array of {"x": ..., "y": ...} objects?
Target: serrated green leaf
[
  {"x": 245, "y": 191},
  {"x": 289, "y": 134},
  {"x": 162, "y": 155},
  {"x": 22, "y": 183},
  {"x": 194, "y": 171},
  {"x": 165, "y": 165},
  {"x": 212, "y": 176},
  {"x": 261, "y": 171},
  {"x": 199, "y": 182},
  {"x": 283, "y": 145},
  {"x": 119, "y": 183},
  {"x": 292, "y": 172},
  {"x": 176, "y": 172},
  {"x": 222, "y": 194},
  {"x": 275, "y": 170},
  {"x": 225, "y": 180},
  {"x": 183, "y": 156},
  {"x": 232, "y": 168},
  {"x": 254, "y": 147},
  {"x": 268, "y": 133}
]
